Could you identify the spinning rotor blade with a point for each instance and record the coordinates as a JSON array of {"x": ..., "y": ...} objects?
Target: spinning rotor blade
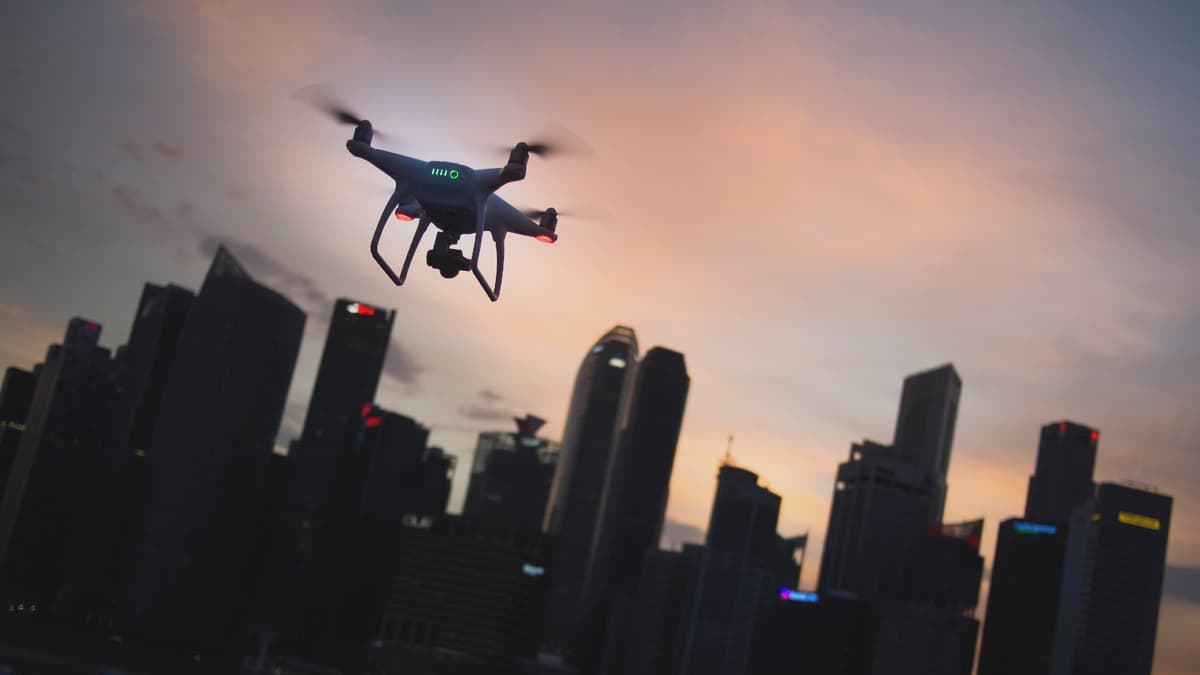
[
  {"x": 556, "y": 143},
  {"x": 319, "y": 98}
]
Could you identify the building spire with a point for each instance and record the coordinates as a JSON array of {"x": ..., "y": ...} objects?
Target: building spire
[{"x": 728, "y": 461}]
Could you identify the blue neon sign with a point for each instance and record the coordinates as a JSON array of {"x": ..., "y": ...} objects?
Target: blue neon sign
[
  {"x": 789, "y": 595},
  {"x": 1025, "y": 527}
]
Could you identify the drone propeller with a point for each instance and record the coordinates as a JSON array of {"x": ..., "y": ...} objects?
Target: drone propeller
[
  {"x": 536, "y": 214},
  {"x": 556, "y": 143},
  {"x": 322, "y": 100}
]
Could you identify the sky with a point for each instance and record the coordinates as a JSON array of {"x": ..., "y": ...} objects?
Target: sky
[{"x": 809, "y": 200}]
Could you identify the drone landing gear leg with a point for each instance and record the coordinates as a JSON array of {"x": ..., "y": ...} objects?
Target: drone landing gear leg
[
  {"x": 499, "y": 239},
  {"x": 383, "y": 219}
]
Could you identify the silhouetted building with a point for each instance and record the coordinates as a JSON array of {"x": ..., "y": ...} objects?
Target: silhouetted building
[
  {"x": 347, "y": 378},
  {"x": 930, "y": 629},
  {"x": 464, "y": 590},
  {"x": 1022, "y": 608},
  {"x": 220, "y": 411},
  {"x": 660, "y": 610},
  {"x": 114, "y": 498},
  {"x": 805, "y": 632},
  {"x": 925, "y": 425},
  {"x": 881, "y": 508},
  {"x": 55, "y": 461},
  {"x": 634, "y": 502},
  {"x": 740, "y": 573},
  {"x": 599, "y": 405},
  {"x": 16, "y": 393},
  {"x": 1063, "y": 480},
  {"x": 1112, "y": 583},
  {"x": 511, "y": 476}
]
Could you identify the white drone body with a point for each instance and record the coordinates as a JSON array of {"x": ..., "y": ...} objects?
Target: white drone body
[{"x": 457, "y": 200}]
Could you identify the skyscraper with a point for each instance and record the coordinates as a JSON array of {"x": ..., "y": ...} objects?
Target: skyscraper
[
  {"x": 1022, "y": 608},
  {"x": 221, "y": 408},
  {"x": 661, "y": 608},
  {"x": 113, "y": 497},
  {"x": 1063, "y": 479},
  {"x": 599, "y": 404},
  {"x": 16, "y": 393},
  {"x": 511, "y": 476},
  {"x": 881, "y": 507},
  {"x": 1023, "y": 604},
  {"x": 1112, "y": 584},
  {"x": 55, "y": 461},
  {"x": 925, "y": 425},
  {"x": 634, "y": 501},
  {"x": 347, "y": 378},
  {"x": 739, "y": 577}
]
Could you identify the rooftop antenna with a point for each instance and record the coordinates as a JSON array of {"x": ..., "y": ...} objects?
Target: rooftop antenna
[{"x": 728, "y": 461}]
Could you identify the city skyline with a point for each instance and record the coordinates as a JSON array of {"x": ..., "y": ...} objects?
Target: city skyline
[{"x": 1001, "y": 238}]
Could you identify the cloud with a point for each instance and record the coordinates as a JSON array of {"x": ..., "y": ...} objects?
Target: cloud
[
  {"x": 136, "y": 206},
  {"x": 489, "y": 395},
  {"x": 1182, "y": 582},
  {"x": 484, "y": 413},
  {"x": 167, "y": 151},
  {"x": 401, "y": 365}
]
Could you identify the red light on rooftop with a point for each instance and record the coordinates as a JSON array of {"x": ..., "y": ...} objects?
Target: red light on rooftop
[
  {"x": 545, "y": 238},
  {"x": 374, "y": 421},
  {"x": 1095, "y": 435},
  {"x": 364, "y": 310},
  {"x": 366, "y": 410},
  {"x": 1062, "y": 427},
  {"x": 94, "y": 327}
]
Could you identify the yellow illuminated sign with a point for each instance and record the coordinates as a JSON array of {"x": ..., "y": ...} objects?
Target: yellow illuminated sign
[{"x": 1139, "y": 520}]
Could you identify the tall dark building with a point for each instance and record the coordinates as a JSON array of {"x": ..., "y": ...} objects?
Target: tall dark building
[
  {"x": 463, "y": 589},
  {"x": 599, "y": 404},
  {"x": 1022, "y": 608},
  {"x": 221, "y": 407},
  {"x": 635, "y": 499},
  {"x": 661, "y": 608},
  {"x": 1063, "y": 479},
  {"x": 925, "y": 425},
  {"x": 16, "y": 393},
  {"x": 511, "y": 476},
  {"x": 881, "y": 507},
  {"x": 53, "y": 466},
  {"x": 347, "y": 378},
  {"x": 740, "y": 575},
  {"x": 114, "y": 498},
  {"x": 930, "y": 629},
  {"x": 1112, "y": 584}
]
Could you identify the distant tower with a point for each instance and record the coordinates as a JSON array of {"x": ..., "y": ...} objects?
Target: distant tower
[
  {"x": 740, "y": 574},
  {"x": 1063, "y": 479},
  {"x": 599, "y": 405},
  {"x": 635, "y": 499},
  {"x": 511, "y": 476},
  {"x": 925, "y": 425},
  {"x": 1027, "y": 572},
  {"x": 16, "y": 393},
  {"x": 221, "y": 408},
  {"x": 54, "y": 464},
  {"x": 1112, "y": 583},
  {"x": 347, "y": 378}
]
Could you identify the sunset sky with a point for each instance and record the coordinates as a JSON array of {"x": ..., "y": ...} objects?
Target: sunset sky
[{"x": 809, "y": 200}]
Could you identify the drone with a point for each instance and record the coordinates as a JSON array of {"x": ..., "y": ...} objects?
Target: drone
[{"x": 456, "y": 199}]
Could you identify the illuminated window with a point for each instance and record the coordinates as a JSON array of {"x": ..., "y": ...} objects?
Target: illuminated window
[{"x": 533, "y": 570}]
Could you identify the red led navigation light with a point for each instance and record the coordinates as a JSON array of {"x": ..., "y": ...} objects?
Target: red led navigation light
[
  {"x": 545, "y": 238},
  {"x": 374, "y": 421},
  {"x": 1095, "y": 435},
  {"x": 366, "y": 410},
  {"x": 403, "y": 216}
]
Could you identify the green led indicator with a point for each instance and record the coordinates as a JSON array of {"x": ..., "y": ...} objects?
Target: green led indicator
[{"x": 452, "y": 174}]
